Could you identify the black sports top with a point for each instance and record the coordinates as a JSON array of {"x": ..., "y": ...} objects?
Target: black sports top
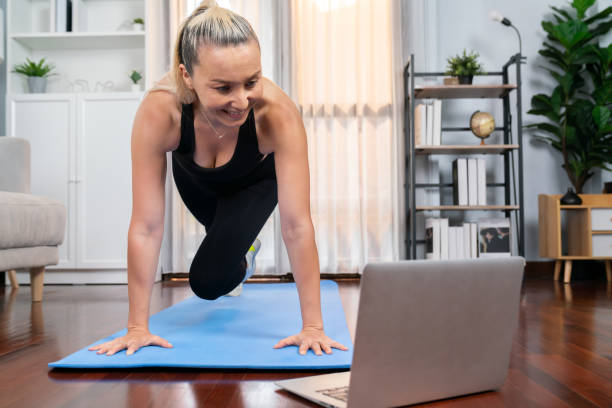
[{"x": 244, "y": 168}]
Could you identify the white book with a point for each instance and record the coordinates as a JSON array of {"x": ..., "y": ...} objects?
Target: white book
[
  {"x": 494, "y": 237},
  {"x": 419, "y": 125},
  {"x": 460, "y": 243},
  {"x": 472, "y": 168},
  {"x": 460, "y": 182},
  {"x": 452, "y": 242},
  {"x": 482, "y": 181},
  {"x": 430, "y": 120},
  {"x": 443, "y": 238},
  {"x": 473, "y": 240},
  {"x": 437, "y": 122},
  {"x": 61, "y": 16},
  {"x": 467, "y": 241}
]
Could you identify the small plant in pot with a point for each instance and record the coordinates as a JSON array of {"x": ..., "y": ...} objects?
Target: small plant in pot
[
  {"x": 137, "y": 24},
  {"x": 464, "y": 66},
  {"x": 135, "y": 77},
  {"x": 36, "y": 74},
  {"x": 577, "y": 109}
]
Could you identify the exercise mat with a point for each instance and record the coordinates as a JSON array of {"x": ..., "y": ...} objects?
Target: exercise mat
[{"x": 232, "y": 332}]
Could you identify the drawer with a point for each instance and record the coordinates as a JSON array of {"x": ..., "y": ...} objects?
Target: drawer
[
  {"x": 601, "y": 219},
  {"x": 602, "y": 245}
]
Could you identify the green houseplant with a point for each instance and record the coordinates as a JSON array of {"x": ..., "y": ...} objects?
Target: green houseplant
[
  {"x": 135, "y": 77},
  {"x": 464, "y": 66},
  {"x": 36, "y": 74},
  {"x": 138, "y": 24},
  {"x": 578, "y": 108}
]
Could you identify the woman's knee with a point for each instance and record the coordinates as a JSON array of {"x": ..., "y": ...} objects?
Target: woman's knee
[{"x": 203, "y": 289}]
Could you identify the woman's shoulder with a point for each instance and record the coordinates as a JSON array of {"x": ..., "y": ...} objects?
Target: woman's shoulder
[
  {"x": 161, "y": 109},
  {"x": 276, "y": 107}
]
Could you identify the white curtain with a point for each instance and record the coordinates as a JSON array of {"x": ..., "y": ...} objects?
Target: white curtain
[{"x": 346, "y": 66}]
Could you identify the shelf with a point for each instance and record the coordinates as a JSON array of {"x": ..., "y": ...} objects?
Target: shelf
[
  {"x": 70, "y": 41},
  {"x": 463, "y": 91},
  {"x": 599, "y": 232},
  {"x": 468, "y": 207},
  {"x": 577, "y": 258},
  {"x": 460, "y": 149}
]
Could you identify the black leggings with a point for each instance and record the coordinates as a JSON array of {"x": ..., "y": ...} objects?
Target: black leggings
[{"x": 232, "y": 223}]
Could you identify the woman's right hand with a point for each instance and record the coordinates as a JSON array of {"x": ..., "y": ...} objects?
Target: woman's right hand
[{"x": 132, "y": 341}]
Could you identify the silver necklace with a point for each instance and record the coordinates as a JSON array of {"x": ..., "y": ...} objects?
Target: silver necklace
[{"x": 219, "y": 135}]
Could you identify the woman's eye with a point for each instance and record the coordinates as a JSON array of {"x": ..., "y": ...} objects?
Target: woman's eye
[
  {"x": 251, "y": 84},
  {"x": 224, "y": 88}
]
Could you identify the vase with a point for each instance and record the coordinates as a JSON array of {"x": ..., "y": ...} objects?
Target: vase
[
  {"x": 137, "y": 27},
  {"x": 37, "y": 84},
  {"x": 571, "y": 198},
  {"x": 135, "y": 87},
  {"x": 465, "y": 79}
]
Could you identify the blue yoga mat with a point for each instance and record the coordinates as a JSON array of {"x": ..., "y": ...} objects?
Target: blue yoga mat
[{"x": 232, "y": 332}]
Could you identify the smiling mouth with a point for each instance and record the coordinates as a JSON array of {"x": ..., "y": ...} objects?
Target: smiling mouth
[{"x": 234, "y": 114}]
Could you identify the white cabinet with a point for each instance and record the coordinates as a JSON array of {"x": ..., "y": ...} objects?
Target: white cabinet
[
  {"x": 80, "y": 155},
  {"x": 80, "y": 128}
]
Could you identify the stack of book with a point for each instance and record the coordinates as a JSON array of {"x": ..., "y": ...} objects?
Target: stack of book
[
  {"x": 487, "y": 238},
  {"x": 428, "y": 123},
  {"x": 469, "y": 181}
]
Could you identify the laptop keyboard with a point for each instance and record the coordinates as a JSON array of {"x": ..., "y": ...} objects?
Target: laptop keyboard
[{"x": 339, "y": 393}]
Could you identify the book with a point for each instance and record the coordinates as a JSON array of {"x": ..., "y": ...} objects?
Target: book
[
  {"x": 452, "y": 242},
  {"x": 443, "y": 238},
  {"x": 61, "y": 16},
  {"x": 459, "y": 245},
  {"x": 472, "y": 175},
  {"x": 419, "y": 125},
  {"x": 437, "y": 122},
  {"x": 460, "y": 181},
  {"x": 482, "y": 181},
  {"x": 432, "y": 238},
  {"x": 467, "y": 242},
  {"x": 473, "y": 240},
  {"x": 494, "y": 237},
  {"x": 429, "y": 127}
]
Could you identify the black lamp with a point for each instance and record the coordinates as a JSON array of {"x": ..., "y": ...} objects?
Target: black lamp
[{"x": 496, "y": 16}]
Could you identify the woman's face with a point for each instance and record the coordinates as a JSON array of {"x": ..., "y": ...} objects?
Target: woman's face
[{"x": 227, "y": 81}]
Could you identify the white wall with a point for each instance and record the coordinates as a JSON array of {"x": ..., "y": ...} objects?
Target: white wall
[{"x": 449, "y": 26}]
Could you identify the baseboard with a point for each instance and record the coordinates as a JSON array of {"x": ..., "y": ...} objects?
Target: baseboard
[{"x": 77, "y": 277}]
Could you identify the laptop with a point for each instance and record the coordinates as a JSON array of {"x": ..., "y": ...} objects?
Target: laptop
[{"x": 426, "y": 330}]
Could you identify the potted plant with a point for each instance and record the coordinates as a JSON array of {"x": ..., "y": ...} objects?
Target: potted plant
[
  {"x": 137, "y": 24},
  {"x": 578, "y": 108},
  {"x": 36, "y": 74},
  {"x": 135, "y": 77},
  {"x": 464, "y": 67}
]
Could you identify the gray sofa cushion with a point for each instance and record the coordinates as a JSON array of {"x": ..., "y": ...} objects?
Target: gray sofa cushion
[
  {"x": 30, "y": 221},
  {"x": 17, "y": 258}
]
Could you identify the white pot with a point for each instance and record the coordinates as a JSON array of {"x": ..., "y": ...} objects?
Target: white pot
[
  {"x": 137, "y": 26},
  {"x": 37, "y": 84},
  {"x": 135, "y": 87}
]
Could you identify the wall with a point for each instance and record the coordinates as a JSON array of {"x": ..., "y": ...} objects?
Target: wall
[
  {"x": 437, "y": 29},
  {"x": 3, "y": 76}
]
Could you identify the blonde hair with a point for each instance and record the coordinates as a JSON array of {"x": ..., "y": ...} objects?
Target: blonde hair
[{"x": 209, "y": 24}]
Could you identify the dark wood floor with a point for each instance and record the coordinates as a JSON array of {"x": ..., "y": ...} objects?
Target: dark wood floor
[{"x": 561, "y": 357}]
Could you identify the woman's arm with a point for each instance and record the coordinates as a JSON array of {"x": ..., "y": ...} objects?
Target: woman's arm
[
  {"x": 286, "y": 129},
  {"x": 153, "y": 127}
]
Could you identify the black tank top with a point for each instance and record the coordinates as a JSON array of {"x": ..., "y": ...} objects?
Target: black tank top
[{"x": 244, "y": 168}]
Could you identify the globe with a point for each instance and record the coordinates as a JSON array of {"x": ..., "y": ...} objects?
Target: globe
[{"x": 482, "y": 125}]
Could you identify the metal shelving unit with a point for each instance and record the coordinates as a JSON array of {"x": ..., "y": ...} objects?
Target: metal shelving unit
[{"x": 511, "y": 150}]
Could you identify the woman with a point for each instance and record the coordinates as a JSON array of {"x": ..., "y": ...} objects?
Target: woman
[{"x": 238, "y": 147}]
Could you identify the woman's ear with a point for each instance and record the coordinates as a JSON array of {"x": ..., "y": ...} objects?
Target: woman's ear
[{"x": 186, "y": 77}]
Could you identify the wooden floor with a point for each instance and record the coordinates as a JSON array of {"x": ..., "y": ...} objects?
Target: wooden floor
[{"x": 561, "y": 357}]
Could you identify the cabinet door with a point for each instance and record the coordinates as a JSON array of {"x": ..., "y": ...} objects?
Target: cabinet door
[
  {"x": 104, "y": 124},
  {"x": 47, "y": 122}
]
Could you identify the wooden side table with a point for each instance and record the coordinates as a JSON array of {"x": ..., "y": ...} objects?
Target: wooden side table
[{"x": 588, "y": 231}]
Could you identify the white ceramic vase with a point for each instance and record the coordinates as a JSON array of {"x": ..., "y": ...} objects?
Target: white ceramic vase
[
  {"x": 137, "y": 26},
  {"x": 135, "y": 87},
  {"x": 37, "y": 84}
]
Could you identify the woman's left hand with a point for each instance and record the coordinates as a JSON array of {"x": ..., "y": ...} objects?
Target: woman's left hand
[{"x": 311, "y": 338}]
